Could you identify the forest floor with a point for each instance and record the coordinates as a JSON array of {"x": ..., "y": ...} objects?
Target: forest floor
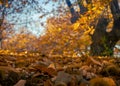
[{"x": 39, "y": 70}]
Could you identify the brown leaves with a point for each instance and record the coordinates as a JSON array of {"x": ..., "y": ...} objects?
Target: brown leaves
[
  {"x": 48, "y": 83},
  {"x": 102, "y": 82},
  {"x": 95, "y": 61},
  {"x": 8, "y": 75},
  {"x": 44, "y": 69},
  {"x": 20, "y": 83},
  {"x": 65, "y": 71}
]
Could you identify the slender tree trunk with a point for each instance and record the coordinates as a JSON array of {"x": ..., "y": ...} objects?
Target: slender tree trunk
[
  {"x": 74, "y": 14},
  {"x": 81, "y": 7}
]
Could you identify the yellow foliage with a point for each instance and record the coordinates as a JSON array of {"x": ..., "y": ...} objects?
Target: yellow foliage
[
  {"x": 64, "y": 38},
  {"x": 76, "y": 25},
  {"x": 89, "y": 31},
  {"x": 59, "y": 29}
]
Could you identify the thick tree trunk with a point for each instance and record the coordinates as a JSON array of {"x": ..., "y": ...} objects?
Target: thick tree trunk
[
  {"x": 100, "y": 39},
  {"x": 1, "y": 23},
  {"x": 103, "y": 42}
]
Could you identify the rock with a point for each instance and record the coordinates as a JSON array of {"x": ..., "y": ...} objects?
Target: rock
[
  {"x": 66, "y": 79},
  {"x": 63, "y": 77}
]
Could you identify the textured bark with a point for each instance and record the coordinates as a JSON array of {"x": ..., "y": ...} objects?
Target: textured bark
[
  {"x": 100, "y": 39},
  {"x": 104, "y": 42}
]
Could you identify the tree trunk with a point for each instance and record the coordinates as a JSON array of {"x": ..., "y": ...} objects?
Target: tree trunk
[
  {"x": 75, "y": 15},
  {"x": 100, "y": 39},
  {"x": 103, "y": 42}
]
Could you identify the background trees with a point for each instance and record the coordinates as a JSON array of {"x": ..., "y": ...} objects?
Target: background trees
[
  {"x": 74, "y": 26},
  {"x": 13, "y": 8}
]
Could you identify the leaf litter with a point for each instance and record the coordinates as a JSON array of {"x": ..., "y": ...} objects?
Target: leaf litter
[{"x": 56, "y": 71}]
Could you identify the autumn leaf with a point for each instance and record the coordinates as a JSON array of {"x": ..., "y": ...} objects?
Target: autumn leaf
[{"x": 76, "y": 25}]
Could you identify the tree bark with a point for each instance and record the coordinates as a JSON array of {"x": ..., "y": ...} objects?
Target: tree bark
[
  {"x": 104, "y": 42},
  {"x": 100, "y": 42}
]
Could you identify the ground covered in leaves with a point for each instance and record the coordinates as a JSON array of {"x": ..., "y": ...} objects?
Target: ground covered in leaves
[{"x": 40, "y": 70}]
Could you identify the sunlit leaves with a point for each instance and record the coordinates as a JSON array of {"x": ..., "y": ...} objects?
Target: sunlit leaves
[
  {"x": 89, "y": 31},
  {"x": 61, "y": 36},
  {"x": 64, "y": 38},
  {"x": 76, "y": 25},
  {"x": 20, "y": 42},
  {"x": 68, "y": 38}
]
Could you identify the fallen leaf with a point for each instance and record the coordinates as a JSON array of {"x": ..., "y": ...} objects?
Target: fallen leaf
[
  {"x": 95, "y": 61},
  {"x": 44, "y": 69},
  {"x": 20, "y": 83},
  {"x": 52, "y": 66},
  {"x": 36, "y": 74},
  {"x": 48, "y": 83}
]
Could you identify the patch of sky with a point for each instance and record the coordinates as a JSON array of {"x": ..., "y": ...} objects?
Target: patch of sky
[{"x": 28, "y": 16}]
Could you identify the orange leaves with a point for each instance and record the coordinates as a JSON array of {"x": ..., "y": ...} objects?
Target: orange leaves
[
  {"x": 4, "y": 2},
  {"x": 76, "y": 25},
  {"x": 44, "y": 69},
  {"x": 105, "y": 81},
  {"x": 21, "y": 41},
  {"x": 62, "y": 37},
  {"x": 89, "y": 31}
]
